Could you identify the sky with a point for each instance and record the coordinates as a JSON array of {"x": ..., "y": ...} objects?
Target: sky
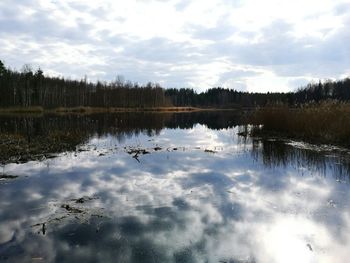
[{"x": 247, "y": 45}]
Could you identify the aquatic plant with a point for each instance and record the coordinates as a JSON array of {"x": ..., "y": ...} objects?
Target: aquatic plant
[{"x": 325, "y": 122}]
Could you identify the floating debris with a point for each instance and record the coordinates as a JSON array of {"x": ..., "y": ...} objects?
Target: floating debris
[
  {"x": 7, "y": 176},
  {"x": 68, "y": 211},
  {"x": 309, "y": 246},
  {"x": 44, "y": 229},
  {"x": 331, "y": 203},
  {"x": 209, "y": 151},
  {"x": 135, "y": 152},
  {"x": 138, "y": 151},
  {"x": 71, "y": 209},
  {"x": 84, "y": 199}
]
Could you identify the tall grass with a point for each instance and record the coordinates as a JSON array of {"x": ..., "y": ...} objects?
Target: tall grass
[
  {"x": 31, "y": 109},
  {"x": 326, "y": 122},
  {"x": 83, "y": 109}
]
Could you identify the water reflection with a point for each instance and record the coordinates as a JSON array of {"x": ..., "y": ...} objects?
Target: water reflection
[
  {"x": 40, "y": 136},
  {"x": 240, "y": 201},
  {"x": 304, "y": 157}
]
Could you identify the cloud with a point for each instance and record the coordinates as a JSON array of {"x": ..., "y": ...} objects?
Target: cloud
[
  {"x": 235, "y": 44},
  {"x": 178, "y": 205},
  {"x": 220, "y": 31}
]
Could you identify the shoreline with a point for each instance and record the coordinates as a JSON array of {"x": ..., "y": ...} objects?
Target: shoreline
[
  {"x": 325, "y": 123},
  {"x": 91, "y": 110}
]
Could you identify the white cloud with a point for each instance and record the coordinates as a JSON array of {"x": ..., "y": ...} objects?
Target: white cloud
[{"x": 181, "y": 43}]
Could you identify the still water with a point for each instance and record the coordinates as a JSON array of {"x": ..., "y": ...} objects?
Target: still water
[{"x": 185, "y": 187}]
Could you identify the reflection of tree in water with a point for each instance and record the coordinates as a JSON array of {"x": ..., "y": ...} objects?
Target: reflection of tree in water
[
  {"x": 213, "y": 120},
  {"x": 30, "y": 138},
  {"x": 26, "y": 138},
  {"x": 274, "y": 153}
]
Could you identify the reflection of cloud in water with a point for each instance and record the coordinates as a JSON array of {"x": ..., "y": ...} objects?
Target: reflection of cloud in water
[{"x": 178, "y": 206}]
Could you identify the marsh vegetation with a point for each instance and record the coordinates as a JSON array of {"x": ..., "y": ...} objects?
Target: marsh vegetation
[{"x": 324, "y": 122}]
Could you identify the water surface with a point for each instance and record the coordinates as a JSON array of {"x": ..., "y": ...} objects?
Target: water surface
[{"x": 170, "y": 188}]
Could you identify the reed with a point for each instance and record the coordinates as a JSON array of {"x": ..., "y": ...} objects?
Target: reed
[
  {"x": 325, "y": 122},
  {"x": 31, "y": 109},
  {"x": 90, "y": 110}
]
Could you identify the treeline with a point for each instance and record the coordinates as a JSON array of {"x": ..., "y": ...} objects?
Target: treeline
[
  {"x": 329, "y": 90},
  {"x": 220, "y": 97},
  {"x": 28, "y": 88},
  {"x": 224, "y": 98}
]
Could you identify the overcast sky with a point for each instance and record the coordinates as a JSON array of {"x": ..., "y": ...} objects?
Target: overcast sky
[{"x": 253, "y": 45}]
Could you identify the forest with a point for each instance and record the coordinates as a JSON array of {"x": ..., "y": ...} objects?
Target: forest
[
  {"x": 228, "y": 98},
  {"x": 28, "y": 88}
]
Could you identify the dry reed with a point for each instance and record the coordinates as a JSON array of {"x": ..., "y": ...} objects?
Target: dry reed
[{"x": 326, "y": 122}]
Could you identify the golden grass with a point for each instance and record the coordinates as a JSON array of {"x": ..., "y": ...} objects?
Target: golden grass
[
  {"x": 87, "y": 110},
  {"x": 326, "y": 122},
  {"x": 113, "y": 109},
  {"x": 32, "y": 109}
]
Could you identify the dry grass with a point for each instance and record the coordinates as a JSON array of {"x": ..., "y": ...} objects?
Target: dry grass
[
  {"x": 111, "y": 109},
  {"x": 19, "y": 148},
  {"x": 327, "y": 122},
  {"x": 80, "y": 109},
  {"x": 32, "y": 109},
  {"x": 88, "y": 110}
]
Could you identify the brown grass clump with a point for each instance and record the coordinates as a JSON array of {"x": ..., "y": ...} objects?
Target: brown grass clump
[
  {"x": 32, "y": 109},
  {"x": 88, "y": 110},
  {"x": 22, "y": 148},
  {"x": 326, "y": 122}
]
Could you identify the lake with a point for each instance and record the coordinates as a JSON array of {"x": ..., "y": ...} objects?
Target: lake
[{"x": 167, "y": 187}]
